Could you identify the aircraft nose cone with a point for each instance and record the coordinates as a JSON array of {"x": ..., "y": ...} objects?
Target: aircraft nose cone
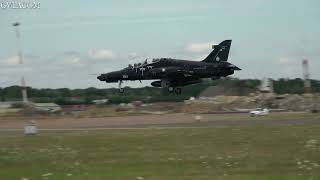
[{"x": 101, "y": 78}]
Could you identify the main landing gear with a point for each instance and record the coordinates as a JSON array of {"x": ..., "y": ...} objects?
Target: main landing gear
[
  {"x": 121, "y": 90},
  {"x": 174, "y": 89}
]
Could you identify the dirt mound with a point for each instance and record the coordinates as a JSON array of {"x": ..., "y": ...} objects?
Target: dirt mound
[
  {"x": 291, "y": 102},
  {"x": 228, "y": 88}
]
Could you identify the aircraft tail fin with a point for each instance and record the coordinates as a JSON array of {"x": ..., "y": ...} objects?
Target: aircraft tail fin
[{"x": 220, "y": 52}]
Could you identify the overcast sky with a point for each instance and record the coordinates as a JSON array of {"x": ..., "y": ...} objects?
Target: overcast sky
[{"x": 64, "y": 42}]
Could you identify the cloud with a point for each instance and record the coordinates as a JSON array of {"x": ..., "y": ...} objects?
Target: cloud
[
  {"x": 170, "y": 8},
  {"x": 289, "y": 66},
  {"x": 71, "y": 53},
  {"x": 199, "y": 47},
  {"x": 284, "y": 61},
  {"x": 73, "y": 60},
  {"x": 101, "y": 54},
  {"x": 201, "y": 57},
  {"x": 11, "y": 61},
  {"x": 133, "y": 55}
]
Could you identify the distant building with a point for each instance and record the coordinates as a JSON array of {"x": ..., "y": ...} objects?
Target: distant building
[
  {"x": 8, "y": 104},
  {"x": 49, "y": 107},
  {"x": 79, "y": 107},
  {"x": 266, "y": 85},
  {"x": 100, "y": 101}
]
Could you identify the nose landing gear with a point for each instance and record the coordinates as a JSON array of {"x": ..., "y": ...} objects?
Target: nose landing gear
[
  {"x": 178, "y": 90},
  {"x": 170, "y": 89}
]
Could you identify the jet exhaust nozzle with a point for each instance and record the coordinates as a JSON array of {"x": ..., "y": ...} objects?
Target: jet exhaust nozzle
[{"x": 235, "y": 68}]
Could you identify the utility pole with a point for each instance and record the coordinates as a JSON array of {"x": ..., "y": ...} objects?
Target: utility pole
[
  {"x": 20, "y": 56},
  {"x": 306, "y": 76}
]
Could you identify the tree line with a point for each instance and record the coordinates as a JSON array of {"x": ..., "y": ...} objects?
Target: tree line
[{"x": 146, "y": 94}]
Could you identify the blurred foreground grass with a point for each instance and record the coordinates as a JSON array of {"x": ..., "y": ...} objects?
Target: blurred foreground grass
[
  {"x": 255, "y": 152},
  {"x": 271, "y": 116}
]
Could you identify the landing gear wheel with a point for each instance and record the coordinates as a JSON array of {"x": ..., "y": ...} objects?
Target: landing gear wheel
[
  {"x": 177, "y": 90},
  {"x": 121, "y": 90},
  {"x": 171, "y": 89}
]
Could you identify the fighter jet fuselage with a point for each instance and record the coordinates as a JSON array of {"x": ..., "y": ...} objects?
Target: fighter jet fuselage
[{"x": 175, "y": 73}]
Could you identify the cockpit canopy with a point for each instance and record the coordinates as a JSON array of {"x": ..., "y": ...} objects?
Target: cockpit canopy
[
  {"x": 137, "y": 65},
  {"x": 160, "y": 60},
  {"x": 154, "y": 60}
]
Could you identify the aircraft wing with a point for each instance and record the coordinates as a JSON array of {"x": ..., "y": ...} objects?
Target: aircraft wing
[
  {"x": 182, "y": 78},
  {"x": 179, "y": 74},
  {"x": 171, "y": 72}
]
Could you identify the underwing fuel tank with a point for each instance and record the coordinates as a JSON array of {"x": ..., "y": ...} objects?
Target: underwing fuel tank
[
  {"x": 163, "y": 83},
  {"x": 156, "y": 84},
  {"x": 177, "y": 83}
]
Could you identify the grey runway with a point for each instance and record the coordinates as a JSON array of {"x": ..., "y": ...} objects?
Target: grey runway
[{"x": 199, "y": 124}]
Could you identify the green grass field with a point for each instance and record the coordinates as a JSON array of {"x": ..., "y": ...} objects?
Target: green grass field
[
  {"x": 255, "y": 152},
  {"x": 271, "y": 116}
]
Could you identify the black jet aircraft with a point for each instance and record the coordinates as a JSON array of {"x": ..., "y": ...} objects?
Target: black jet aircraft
[{"x": 175, "y": 73}]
